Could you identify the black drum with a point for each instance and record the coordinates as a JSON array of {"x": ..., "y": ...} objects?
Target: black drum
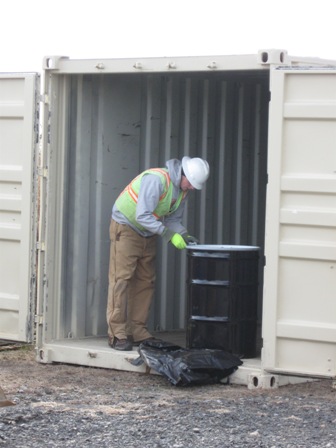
[{"x": 222, "y": 300}]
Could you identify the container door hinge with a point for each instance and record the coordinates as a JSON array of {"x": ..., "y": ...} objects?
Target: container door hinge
[
  {"x": 38, "y": 319},
  {"x": 43, "y": 172},
  {"x": 40, "y": 245},
  {"x": 44, "y": 98}
]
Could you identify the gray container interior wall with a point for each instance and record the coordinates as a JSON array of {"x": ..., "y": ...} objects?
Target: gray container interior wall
[{"x": 120, "y": 125}]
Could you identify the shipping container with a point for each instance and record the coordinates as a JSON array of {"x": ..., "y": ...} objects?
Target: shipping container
[{"x": 266, "y": 123}]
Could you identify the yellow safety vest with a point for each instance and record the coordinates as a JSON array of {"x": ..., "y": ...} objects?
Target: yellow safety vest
[{"x": 128, "y": 198}]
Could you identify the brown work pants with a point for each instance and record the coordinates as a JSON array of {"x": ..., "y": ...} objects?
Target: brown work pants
[{"x": 131, "y": 282}]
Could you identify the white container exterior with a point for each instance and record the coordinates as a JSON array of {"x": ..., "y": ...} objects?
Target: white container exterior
[{"x": 18, "y": 139}]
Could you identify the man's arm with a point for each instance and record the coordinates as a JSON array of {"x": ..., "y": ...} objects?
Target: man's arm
[{"x": 151, "y": 189}]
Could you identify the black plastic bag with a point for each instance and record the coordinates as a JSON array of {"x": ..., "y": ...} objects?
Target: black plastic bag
[{"x": 183, "y": 367}]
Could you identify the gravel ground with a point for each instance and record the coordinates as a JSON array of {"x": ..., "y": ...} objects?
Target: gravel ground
[{"x": 69, "y": 406}]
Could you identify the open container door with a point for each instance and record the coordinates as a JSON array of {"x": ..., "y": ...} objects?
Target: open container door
[
  {"x": 18, "y": 139},
  {"x": 299, "y": 306}
]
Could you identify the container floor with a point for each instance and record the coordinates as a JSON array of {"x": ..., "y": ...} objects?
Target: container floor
[{"x": 95, "y": 352}]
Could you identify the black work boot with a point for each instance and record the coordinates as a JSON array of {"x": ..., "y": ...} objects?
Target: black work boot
[{"x": 120, "y": 344}]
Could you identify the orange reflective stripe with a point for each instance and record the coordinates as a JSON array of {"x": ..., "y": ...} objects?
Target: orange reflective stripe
[
  {"x": 130, "y": 190},
  {"x": 135, "y": 196},
  {"x": 132, "y": 193},
  {"x": 165, "y": 173}
]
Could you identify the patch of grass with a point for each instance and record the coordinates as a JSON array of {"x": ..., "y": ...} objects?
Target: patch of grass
[{"x": 6, "y": 346}]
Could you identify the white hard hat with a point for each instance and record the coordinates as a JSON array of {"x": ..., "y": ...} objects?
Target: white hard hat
[{"x": 196, "y": 171}]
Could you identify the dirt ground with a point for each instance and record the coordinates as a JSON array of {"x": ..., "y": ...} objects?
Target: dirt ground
[
  {"x": 20, "y": 374},
  {"x": 66, "y": 405}
]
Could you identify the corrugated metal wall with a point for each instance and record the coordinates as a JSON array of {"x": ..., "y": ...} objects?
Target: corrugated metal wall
[{"x": 122, "y": 124}]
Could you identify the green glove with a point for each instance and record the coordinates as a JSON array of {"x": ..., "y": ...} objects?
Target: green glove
[
  {"x": 178, "y": 241},
  {"x": 190, "y": 239}
]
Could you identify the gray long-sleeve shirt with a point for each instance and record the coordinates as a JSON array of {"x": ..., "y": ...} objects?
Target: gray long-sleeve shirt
[{"x": 151, "y": 189}]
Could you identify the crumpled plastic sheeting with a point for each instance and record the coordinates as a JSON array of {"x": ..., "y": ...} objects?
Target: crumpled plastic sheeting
[{"x": 184, "y": 367}]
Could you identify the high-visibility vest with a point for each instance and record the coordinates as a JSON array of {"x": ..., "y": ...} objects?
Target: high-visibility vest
[{"x": 128, "y": 198}]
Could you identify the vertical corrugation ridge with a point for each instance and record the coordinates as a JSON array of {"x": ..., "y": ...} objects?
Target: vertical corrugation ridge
[
  {"x": 219, "y": 171},
  {"x": 204, "y": 152},
  {"x": 148, "y": 122},
  {"x": 239, "y": 165}
]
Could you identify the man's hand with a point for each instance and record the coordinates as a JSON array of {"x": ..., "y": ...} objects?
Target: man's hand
[
  {"x": 190, "y": 239},
  {"x": 178, "y": 241}
]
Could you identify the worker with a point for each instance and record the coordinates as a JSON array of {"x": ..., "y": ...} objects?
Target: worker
[{"x": 151, "y": 205}]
